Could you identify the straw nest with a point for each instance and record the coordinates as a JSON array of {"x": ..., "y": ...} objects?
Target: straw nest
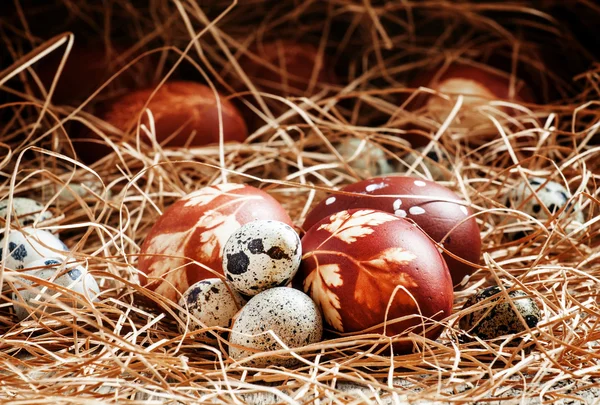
[{"x": 122, "y": 351}]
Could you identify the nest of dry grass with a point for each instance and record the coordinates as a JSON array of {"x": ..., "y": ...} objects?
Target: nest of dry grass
[{"x": 123, "y": 352}]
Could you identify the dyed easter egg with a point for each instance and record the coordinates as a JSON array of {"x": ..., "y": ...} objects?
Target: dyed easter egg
[{"x": 196, "y": 228}]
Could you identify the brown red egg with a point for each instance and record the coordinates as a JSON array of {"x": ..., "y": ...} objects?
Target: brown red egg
[
  {"x": 184, "y": 114},
  {"x": 442, "y": 214},
  {"x": 477, "y": 85},
  {"x": 363, "y": 267},
  {"x": 285, "y": 67},
  {"x": 196, "y": 228}
]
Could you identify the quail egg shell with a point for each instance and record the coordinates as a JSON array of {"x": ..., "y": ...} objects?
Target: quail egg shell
[
  {"x": 288, "y": 313},
  {"x": 434, "y": 162},
  {"x": 29, "y": 245},
  {"x": 497, "y": 317},
  {"x": 25, "y": 210},
  {"x": 35, "y": 297},
  {"x": 364, "y": 157},
  {"x": 210, "y": 301},
  {"x": 260, "y": 255},
  {"x": 552, "y": 195}
]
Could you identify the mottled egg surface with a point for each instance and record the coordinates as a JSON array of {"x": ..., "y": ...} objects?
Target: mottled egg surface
[
  {"x": 497, "y": 317},
  {"x": 261, "y": 255},
  {"x": 550, "y": 197},
  {"x": 366, "y": 158},
  {"x": 196, "y": 228},
  {"x": 30, "y": 245},
  {"x": 442, "y": 214},
  {"x": 34, "y": 297},
  {"x": 289, "y": 313},
  {"x": 211, "y": 302},
  {"x": 25, "y": 210},
  {"x": 365, "y": 267}
]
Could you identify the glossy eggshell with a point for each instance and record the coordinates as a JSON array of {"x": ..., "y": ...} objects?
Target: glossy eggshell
[
  {"x": 260, "y": 255},
  {"x": 287, "y": 67},
  {"x": 29, "y": 245},
  {"x": 289, "y": 313},
  {"x": 35, "y": 297},
  {"x": 355, "y": 261},
  {"x": 211, "y": 302},
  {"x": 497, "y": 317},
  {"x": 420, "y": 201},
  {"x": 25, "y": 211},
  {"x": 197, "y": 228},
  {"x": 185, "y": 113}
]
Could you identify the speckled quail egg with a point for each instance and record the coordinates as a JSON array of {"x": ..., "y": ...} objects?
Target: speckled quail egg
[
  {"x": 68, "y": 193},
  {"x": 497, "y": 317},
  {"x": 25, "y": 210},
  {"x": 36, "y": 297},
  {"x": 210, "y": 301},
  {"x": 434, "y": 162},
  {"x": 288, "y": 312},
  {"x": 364, "y": 157},
  {"x": 28, "y": 245},
  {"x": 549, "y": 194},
  {"x": 260, "y": 255}
]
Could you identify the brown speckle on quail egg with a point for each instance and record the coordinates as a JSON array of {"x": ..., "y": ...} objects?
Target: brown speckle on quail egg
[
  {"x": 210, "y": 301},
  {"x": 260, "y": 255},
  {"x": 288, "y": 312},
  {"x": 25, "y": 211},
  {"x": 497, "y": 317}
]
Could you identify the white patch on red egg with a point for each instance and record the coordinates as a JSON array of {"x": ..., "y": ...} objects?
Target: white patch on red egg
[
  {"x": 416, "y": 211},
  {"x": 330, "y": 201},
  {"x": 400, "y": 213},
  {"x": 464, "y": 210},
  {"x": 376, "y": 186},
  {"x": 397, "y": 204},
  {"x": 420, "y": 183}
]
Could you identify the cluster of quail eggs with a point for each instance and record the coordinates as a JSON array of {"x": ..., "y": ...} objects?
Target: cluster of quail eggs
[
  {"x": 47, "y": 281},
  {"x": 255, "y": 299}
]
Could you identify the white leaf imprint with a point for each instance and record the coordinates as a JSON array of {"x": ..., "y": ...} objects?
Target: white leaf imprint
[
  {"x": 318, "y": 284},
  {"x": 207, "y": 194},
  {"x": 350, "y": 227}
]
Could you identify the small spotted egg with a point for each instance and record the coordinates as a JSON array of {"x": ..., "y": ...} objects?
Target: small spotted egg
[
  {"x": 497, "y": 316},
  {"x": 28, "y": 245},
  {"x": 260, "y": 255},
  {"x": 549, "y": 194},
  {"x": 25, "y": 210},
  {"x": 211, "y": 302},
  {"x": 36, "y": 297},
  {"x": 364, "y": 157},
  {"x": 433, "y": 163},
  {"x": 287, "y": 312},
  {"x": 69, "y": 193}
]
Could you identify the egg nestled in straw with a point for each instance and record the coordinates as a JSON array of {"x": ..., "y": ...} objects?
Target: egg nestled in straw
[
  {"x": 184, "y": 114},
  {"x": 442, "y": 214},
  {"x": 288, "y": 313},
  {"x": 497, "y": 316},
  {"x": 28, "y": 245},
  {"x": 260, "y": 255},
  {"x": 50, "y": 285},
  {"x": 196, "y": 228},
  {"x": 208, "y": 303},
  {"x": 365, "y": 267},
  {"x": 25, "y": 211}
]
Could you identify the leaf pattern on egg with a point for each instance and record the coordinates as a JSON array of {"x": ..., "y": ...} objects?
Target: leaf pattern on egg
[
  {"x": 318, "y": 285},
  {"x": 208, "y": 194},
  {"x": 372, "y": 274},
  {"x": 350, "y": 227}
]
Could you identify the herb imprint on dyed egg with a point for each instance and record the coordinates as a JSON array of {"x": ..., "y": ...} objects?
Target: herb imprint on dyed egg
[
  {"x": 197, "y": 228},
  {"x": 497, "y": 317},
  {"x": 212, "y": 303},
  {"x": 261, "y": 255},
  {"x": 30, "y": 245},
  {"x": 365, "y": 267},
  {"x": 438, "y": 211},
  {"x": 289, "y": 313},
  {"x": 26, "y": 211},
  {"x": 32, "y": 297}
]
